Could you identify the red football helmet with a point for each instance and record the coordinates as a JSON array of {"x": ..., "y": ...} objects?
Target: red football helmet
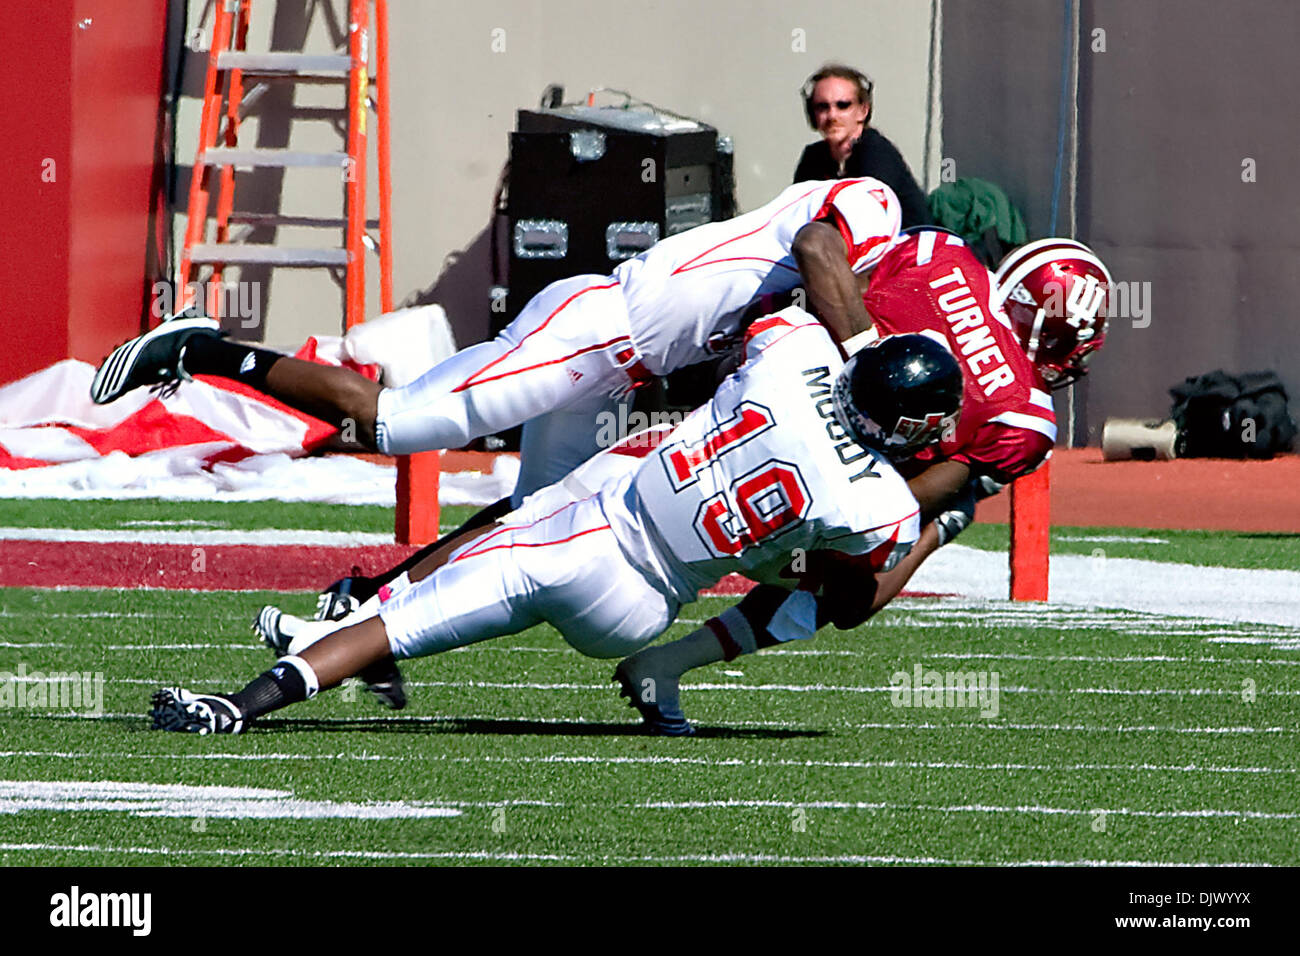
[{"x": 1056, "y": 293}]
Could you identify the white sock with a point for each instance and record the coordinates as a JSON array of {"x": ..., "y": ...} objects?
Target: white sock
[
  {"x": 721, "y": 638},
  {"x": 309, "y": 677}
]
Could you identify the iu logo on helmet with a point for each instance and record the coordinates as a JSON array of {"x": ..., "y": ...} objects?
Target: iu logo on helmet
[{"x": 1079, "y": 304}]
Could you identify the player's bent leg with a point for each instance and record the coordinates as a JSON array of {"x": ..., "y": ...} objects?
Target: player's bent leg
[
  {"x": 340, "y": 396},
  {"x": 348, "y": 651},
  {"x": 564, "y": 568},
  {"x": 569, "y": 343},
  {"x": 287, "y": 634},
  {"x": 650, "y": 679},
  {"x": 183, "y": 347},
  {"x": 461, "y": 603}
]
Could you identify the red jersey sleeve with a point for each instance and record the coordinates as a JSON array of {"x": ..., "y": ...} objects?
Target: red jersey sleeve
[{"x": 1004, "y": 452}]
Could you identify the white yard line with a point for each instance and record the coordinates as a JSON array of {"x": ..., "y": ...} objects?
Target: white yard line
[
  {"x": 1097, "y": 659},
  {"x": 139, "y": 647},
  {"x": 658, "y": 760},
  {"x": 779, "y": 688},
  {"x": 180, "y": 800},
  {"x": 935, "y": 808},
  {"x": 507, "y": 857}
]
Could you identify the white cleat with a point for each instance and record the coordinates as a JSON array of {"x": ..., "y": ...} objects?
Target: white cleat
[{"x": 276, "y": 629}]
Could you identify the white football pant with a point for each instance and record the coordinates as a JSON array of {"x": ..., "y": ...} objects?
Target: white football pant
[
  {"x": 564, "y": 568},
  {"x": 568, "y": 351}
]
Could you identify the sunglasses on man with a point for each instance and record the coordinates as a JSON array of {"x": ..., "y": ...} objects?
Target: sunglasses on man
[{"x": 822, "y": 106}]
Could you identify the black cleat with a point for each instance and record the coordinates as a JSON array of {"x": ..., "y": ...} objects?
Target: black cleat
[
  {"x": 175, "y": 708},
  {"x": 150, "y": 359},
  {"x": 654, "y": 695}
]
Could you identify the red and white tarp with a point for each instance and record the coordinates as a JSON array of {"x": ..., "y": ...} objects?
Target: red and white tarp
[{"x": 211, "y": 438}]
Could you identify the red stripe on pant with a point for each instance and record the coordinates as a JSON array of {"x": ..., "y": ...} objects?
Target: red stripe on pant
[{"x": 558, "y": 309}]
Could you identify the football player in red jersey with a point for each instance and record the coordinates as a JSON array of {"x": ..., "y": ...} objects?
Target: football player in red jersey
[{"x": 1018, "y": 334}]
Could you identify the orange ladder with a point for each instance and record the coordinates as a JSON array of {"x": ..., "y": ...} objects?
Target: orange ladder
[{"x": 229, "y": 65}]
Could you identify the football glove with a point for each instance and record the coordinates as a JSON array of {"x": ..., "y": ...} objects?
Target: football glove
[{"x": 961, "y": 510}]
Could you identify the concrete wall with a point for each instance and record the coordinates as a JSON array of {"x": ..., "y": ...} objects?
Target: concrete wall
[
  {"x": 1184, "y": 94},
  {"x": 460, "y": 71},
  {"x": 1173, "y": 96}
]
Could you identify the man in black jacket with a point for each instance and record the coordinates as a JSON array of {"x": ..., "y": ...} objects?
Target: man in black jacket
[{"x": 837, "y": 101}]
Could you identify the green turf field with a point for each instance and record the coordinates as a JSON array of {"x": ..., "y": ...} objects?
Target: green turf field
[
  {"x": 1117, "y": 736},
  {"x": 1212, "y": 548}
]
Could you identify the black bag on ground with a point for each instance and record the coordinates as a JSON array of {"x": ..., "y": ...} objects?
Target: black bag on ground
[{"x": 1226, "y": 416}]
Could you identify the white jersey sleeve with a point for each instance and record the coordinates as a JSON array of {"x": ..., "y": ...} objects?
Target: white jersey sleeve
[
  {"x": 688, "y": 292},
  {"x": 867, "y": 214}
]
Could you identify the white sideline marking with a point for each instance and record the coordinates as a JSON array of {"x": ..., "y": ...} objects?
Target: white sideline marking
[
  {"x": 1135, "y": 627},
  {"x": 1264, "y": 595},
  {"x": 1083, "y": 728},
  {"x": 266, "y": 537},
  {"x": 180, "y": 800},
  {"x": 560, "y": 858},
  {"x": 174, "y": 523},
  {"x": 698, "y": 761},
  {"x": 749, "y": 804},
  {"x": 246, "y": 646},
  {"x": 44, "y": 615},
  {"x": 1111, "y": 538},
  {"x": 140, "y": 647},
  {"x": 1288, "y": 644}
]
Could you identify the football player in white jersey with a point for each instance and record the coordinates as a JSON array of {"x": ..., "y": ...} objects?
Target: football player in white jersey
[
  {"x": 1054, "y": 295},
  {"x": 791, "y": 457},
  {"x": 578, "y": 346}
]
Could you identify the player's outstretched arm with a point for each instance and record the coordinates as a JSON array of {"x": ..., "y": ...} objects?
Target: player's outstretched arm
[
  {"x": 833, "y": 292},
  {"x": 935, "y": 488}
]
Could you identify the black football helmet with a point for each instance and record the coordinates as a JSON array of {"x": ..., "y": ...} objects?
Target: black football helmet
[{"x": 899, "y": 394}]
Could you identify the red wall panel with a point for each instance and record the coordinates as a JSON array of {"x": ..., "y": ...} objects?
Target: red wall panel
[{"x": 85, "y": 78}]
